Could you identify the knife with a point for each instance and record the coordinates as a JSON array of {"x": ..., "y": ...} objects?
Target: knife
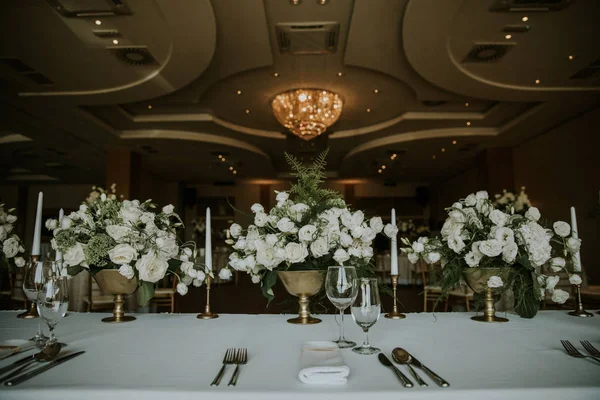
[
  {"x": 386, "y": 361},
  {"x": 37, "y": 371},
  {"x": 436, "y": 378},
  {"x": 8, "y": 367}
]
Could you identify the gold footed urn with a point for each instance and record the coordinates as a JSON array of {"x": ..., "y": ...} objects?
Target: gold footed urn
[
  {"x": 302, "y": 284},
  {"x": 112, "y": 282},
  {"x": 477, "y": 279}
]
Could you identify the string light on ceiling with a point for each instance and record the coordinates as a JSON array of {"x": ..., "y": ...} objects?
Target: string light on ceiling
[
  {"x": 98, "y": 22},
  {"x": 307, "y": 113}
]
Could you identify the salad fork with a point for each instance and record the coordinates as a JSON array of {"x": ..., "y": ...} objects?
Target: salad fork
[
  {"x": 589, "y": 348},
  {"x": 241, "y": 358},
  {"x": 573, "y": 352},
  {"x": 229, "y": 358}
]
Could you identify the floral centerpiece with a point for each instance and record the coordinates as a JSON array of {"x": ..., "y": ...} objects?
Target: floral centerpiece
[
  {"x": 12, "y": 247},
  {"x": 478, "y": 235},
  {"x": 310, "y": 228},
  {"x": 128, "y": 236},
  {"x": 512, "y": 203}
]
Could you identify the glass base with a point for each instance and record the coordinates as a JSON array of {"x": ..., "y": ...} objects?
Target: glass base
[
  {"x": 366, "y": 350},
  {"x": 344, "y": 344}
]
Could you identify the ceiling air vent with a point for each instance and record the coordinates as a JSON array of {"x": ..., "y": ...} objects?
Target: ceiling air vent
[
  {"x": 134, "y": 55},
  {"x": 90, "y": 8},
  {"x": 487, "y": 53},
  {"x": 529, "y": 5},
  {"x": 308, "y": 38}
]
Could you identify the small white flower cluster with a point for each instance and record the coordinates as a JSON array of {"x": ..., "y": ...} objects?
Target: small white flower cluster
[
  {"x": 512, "y": 203},
  {"x": 476, "y": 234},
  {"x": 284, "y": 237},
  {"x": 11, "y": 244}
]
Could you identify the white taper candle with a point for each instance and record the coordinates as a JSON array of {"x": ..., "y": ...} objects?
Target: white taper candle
[
  {"x": 37, "y": 230},
  {"x": 61, "y": 214},
  {"x": 575, "y": 234},
  {"x": 394, "y": 245},
  {"x": 208, "y": 244}
]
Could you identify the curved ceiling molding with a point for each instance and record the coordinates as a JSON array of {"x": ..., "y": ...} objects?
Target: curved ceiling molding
[
  {"x": 420, "y": 135},
  {"x": 191, "y": 136},
  {"x": 14, "y": 138}
]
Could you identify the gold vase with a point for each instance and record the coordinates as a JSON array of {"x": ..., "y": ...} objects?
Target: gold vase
[
  {"x": 477, "y": 279},
  {"x": 112, "y": 282},
  {"x": 302, "y": 284}
]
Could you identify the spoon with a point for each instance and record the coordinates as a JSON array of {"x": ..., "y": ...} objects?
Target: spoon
[
  {"x": 402, "y": 357},
  {"x": 401, "y": 354},
  {"x": 49, "y": 353},
  {"x": 386, "y": 361}
]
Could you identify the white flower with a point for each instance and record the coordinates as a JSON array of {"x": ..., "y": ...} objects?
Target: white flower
[
  {"x": 433, "y": 257},
  {"x": 130, "y": 212},
  {"x": 472, "y": 259},
  {"x": 200, "y": 276},
  {"x": 504, "y": 235},
  {"x": 281, "y": 198},
  {"x": 495, "y": 282},
  {"x": 491, "y": 248},
  {"x": 562, "y": 229},
  {"x": 560, "y": 296},
  {"x": 451, "y": 228},
  {"x": 482, "y": 195},
  {"x": 266, "y": 255},
  {"x": 10, "y": 247},
  {"x": 167, "y": 247},
  {"x": 261, "y": 219},
  {"x": 498, "y": 217},
  {"x": 390, "y": 231},
  {"x": 509, "y": 252},
  {"x": 573, "y": 244},
  {"x": 235, "y": 230},
  {"x": 533, "y": 214},
  {"x": 250, "y": 262},
  {"x": 319, "y": 247},
  {"x": 122, "y": 254},
  {"x": 285, "y": 225},
  {"x": 346, "y": 240},
  {"x": 418, "y": 247},
  {"x": 295, "y": 252},
  {"x": 3, "y": 233},
  {"x": 297, "y": 211},
  {"x": 186, "y": 280},
  {"x": 74, "y": 255},
  {"x": 456, "y": 243},
  {"x": 551, "y": 282},
  {"x": 307, "y": 232},
  {"x": 240, "y": 244},
  {"x": 256, "y": 208},
  {"x": 255, "y": 278},
  {"x": 457, "y": 205},
  {"x": 355, "y": 251},
  {"x": 186, "y": 266},
  {"x": 575, "y": 279},
  {"x": 19, "y": 262},
  {"x": 66, "y": 222},
  {"x": 51, "y": 224},
  {"x": 340, "y": 256},
  {"x": 537, "y": 243},
  {"x": 198, "y": 282},
  {"x": 182, "y": 289},
  {"x": 458, "y": 216},
  {"x": 118, "y": 232},
  {"x": 225, "y": 274},
  {"x": 127, "y": 271},
  {"x": 368, "y": 235},
  {"x": 358, "y": 217},
  {"x": 168, "y": 209},
  {"x": 483, "y": 206},
  {"x": 357, "y": 231},
  {"x": 413, "y": 257},
  {"x": 557, "y": 263},
  {"x": 346, "y": 218},
  {"x": 151, "y": 267},
  {"x": 376, "y": 224},
  {"x": 366, "y": 252},
  {"x": 471, "y": 200}
]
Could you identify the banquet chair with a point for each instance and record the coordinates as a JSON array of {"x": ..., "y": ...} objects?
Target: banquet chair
[
  {"x": 16, "y": 285},
  {"x": 96, "y": 299},
  {"x": 463, "y": 292},
  {"x": 430, "y": 292},
  {"x": 164, "y": 295}
]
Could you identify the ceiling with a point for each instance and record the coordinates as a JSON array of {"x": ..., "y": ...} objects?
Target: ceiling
[{"x": 201, "y": 75}]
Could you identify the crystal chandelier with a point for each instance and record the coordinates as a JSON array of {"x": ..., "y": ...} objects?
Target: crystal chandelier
[{"x": 307, "y": 113}]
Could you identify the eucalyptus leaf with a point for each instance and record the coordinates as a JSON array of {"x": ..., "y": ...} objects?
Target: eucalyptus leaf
[
  {"x": 146, "y": 292},
  {"x": 268, "y": 282},
  {"x": 74, "y": 270}
]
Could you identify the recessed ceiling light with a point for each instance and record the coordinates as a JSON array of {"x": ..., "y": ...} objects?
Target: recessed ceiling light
[
  {"x": 466, "y": 104},
  {"x": 340, "y": 74},
  {"x": 443, "y": 150},
  {"x": 231, "y": 168},
  {"x": 525, "y": 19},
  {"x": 115, "y": 41},
  {"x": 394, "y": 156},
  {"x": 468, "y": 123},
  {"x": 380, "y": 170},
  {"x": 234, "y": 172},
  {"x": 383, "y": 167},
  {"x": 247, "y": 111},
  {"x": 454, "y": 142},
  {"x": 98, "y": 22},
  {"x": 276, "y": 74},
  {"x": 571, "y": 57},
  {"x": 220, "y": 156},
  {"x": 295, "y": 2},
  {"x": 322, "y": 2},
  {"x": 508, "y": 37},
  {"x": 376, "y": 91},
  {"x": 149, "y": 106},
  {"x": 368, "y": 110},
  {"x": 239, "y": 92},
  {"x": 223, "y": 159},
  {"x": 434, "y": 156},
  {"x": 537, "y": 81}
]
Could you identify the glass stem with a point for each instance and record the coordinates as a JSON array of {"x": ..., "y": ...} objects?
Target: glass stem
[
  {"x": 342, "y": 325},
  {"x": 52, "y": 338},
  {"x": 40, "y": 333},
  {"x": 366, "y": 341}
]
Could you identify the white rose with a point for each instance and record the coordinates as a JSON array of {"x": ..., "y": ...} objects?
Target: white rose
[
  {"x": 122, "y": 254},
  {"x": 376, "y": 224},
  {"x": 340, "y": 256},
  {"x": 366, "y": 252},
  {"x": 240, "y": 244},
  {"x": 390, "y": 231},
  {"x": 285, "y": 225},
  {"x": 491, "y": 248},
  {"x": 562, "y": 229},
  {"x": 74, "y": 255},
  {"x": 10, "y": 247},
  {"x": 560, "y": 296},
  {"x": 250, "y": 262},
  {"x": 509, "y": 252},
  {"x": 256, "y": 208},
  {"x": 225, "y": 274},
  {"x": 575, "y": 279},
  {"x": 551, "y": 282},
  {"x": 495, "y": 282},
  {"x": 186, "y": 266},
  {"x": 451, "y": 227},
  {"x": 307, "y": 233},
  {"x": 472, "y": 259},
  {"x": 19, "y": 262},
  {"x": 235, "y": 230},
  {"x": 182, "y": 289},
  {"x": 368, "y": 235},
  {"x": 418, "y": 247},
  {"x": 127, "y": 271},
  {"x": 533, "y": 214},
  {"x": 118, "y": 232},
  {"x": 266, "y": 255},
  {"x": 358, "y": 217},
  {"x": 434, "y": 257},
  {"x": 458, "y": 216},
  {"x": 357, "y": 231},
  {"x": 281, "y": 197},
  {"x": 66, "y": 222},
  {"x": 319, "y": 247},
  {"x": 346, "y": 218},
  {"x": 346, "y": 240},
  {"x": 483, "y": 206},
  {"x": 557, "y": 263},
  {"x": 130, "y": 212},
  {"x": 456, "y": 243},
  {"x": 457, "y": 205},
  {"x": 3, "y": 233},
  {"x": 504, "y": 235},
  {"x": 261, "y": 219},
  {"x": 168, "y": 210},
  {"x": 167, "y": 247},
  {"x": 471, "y": 200},
  {"x": 295, "y": 252},
  {"x": 197, "y": 282},
  {"x": 186, "y": 280},
  {"x": 498, "y": 217},
  {"x": 255, "y": 279},
  {"x": 200, "y": 276},
  {"x": 151, "y": 268},
  {"x": 482, "y": 195},
  {"x": 51, "y": 224},
  {"x": 413, "y": 257},
  {"x": 573, "y": 244}
]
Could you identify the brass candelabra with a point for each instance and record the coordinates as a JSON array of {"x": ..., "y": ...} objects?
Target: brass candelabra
[
  {"x": 395, "y": 314},
  {"x": 207, "y": 314}
]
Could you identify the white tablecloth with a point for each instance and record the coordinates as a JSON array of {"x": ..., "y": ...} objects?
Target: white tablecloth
[{"x": 177, "y": 356}]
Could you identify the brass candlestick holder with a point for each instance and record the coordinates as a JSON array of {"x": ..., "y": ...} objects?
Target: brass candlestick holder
[
  {"x": 207, "y": 314},
  {"x": 395, "y": 314},
  {"x": 579, "y": 310},
  {"x": 32, "y": 312}
]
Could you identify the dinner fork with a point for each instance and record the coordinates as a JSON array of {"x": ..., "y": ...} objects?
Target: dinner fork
[
  {"x": 241, "y": 358},
  {"x": 229, "y": 358},
  {"x": 590, "y": 349},
  {"x": 573, "y": 352}
]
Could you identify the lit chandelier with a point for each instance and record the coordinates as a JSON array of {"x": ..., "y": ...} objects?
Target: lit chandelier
[{"x": 307, "y": 112}]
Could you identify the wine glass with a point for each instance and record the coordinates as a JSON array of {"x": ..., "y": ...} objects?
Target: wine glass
[
  {"x": 341, "y": 288},
  {"x": 53, "y": 298},
  {"x": 365, "y": 311},
  {"x": 32, "y": 281}
]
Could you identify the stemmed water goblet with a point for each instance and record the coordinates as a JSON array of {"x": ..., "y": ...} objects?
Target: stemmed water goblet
[
  {"x": 53, "y": 298},
  {"x": 365, "y": 311},
  {"x": 33, "y": 279},
  {"x": 341, "y": 288}
]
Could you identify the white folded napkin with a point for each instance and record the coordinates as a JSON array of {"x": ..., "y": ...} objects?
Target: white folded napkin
[
  {"x": 322, "y": 363},
  {"x": 10, "y": 347}
]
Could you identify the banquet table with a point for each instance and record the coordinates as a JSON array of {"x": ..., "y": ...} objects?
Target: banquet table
[{"x": 176, "y": 356}]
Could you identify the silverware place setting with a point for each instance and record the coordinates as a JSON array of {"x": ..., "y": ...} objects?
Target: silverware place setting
[
  {"x": 235, "y": 357},
  {"x": 572, "y": 351},
  {"x": 403, "y": 357}
]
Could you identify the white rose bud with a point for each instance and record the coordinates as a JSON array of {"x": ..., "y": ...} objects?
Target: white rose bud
[
  {"x": 495, "y": 282},
  {"x": 560, "y": 296},
  {"x": 255, "y": 279},
  {"x": 127, "y": 271},
  {"x": 285, "y": 225},
  {"x": 307, "y": 232},
  {"x": 261, "y": 219},
  {"x": 573, "y": 244},
  {"x": 376, "y": 224},
  {"x": 413, "y": 257},
  {"x": 182, "y": 289},
  {"x": 256, "y": 208},
  {"x": 575, "y": 279},
  {"x": 235, "y": 230},
  {"x": 418, "y": 247},
  {"x": 562, "y": 229},
  {"x": 551, "y": 282},
  {"x": 197, "y": 282},
  {"x": 557, "y": 263},
  {"x": 340, "y": 256},
  {"x": 434, "y": 257},
  {"x": 19, "y": 262},
  {"x": 471, "y": 200},
  {"x": 390, "y": 230},
  {"x": 225, "y": 274},
  {"x": 169, "y": 210},
  {"x": 533, "y": 214}
]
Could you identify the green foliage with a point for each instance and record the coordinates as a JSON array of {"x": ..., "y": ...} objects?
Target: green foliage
[
  {"x": 146, "y": 292},
  {"x": 268, "y": 281},
  {"x": 96, "y": 252}
]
